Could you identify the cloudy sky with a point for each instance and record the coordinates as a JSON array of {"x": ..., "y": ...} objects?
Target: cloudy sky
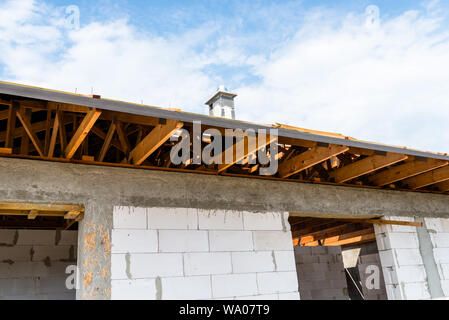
[{"x": 375, "y": 70}]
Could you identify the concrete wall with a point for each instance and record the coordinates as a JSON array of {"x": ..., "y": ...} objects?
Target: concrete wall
[
  {"x": 100, "y": 188},
  {"x": 414, "y": 260},
  {"x": 321, "y": 274},
  {"x": 33, "y": 264},
  {"x": 164, "y": 253}
]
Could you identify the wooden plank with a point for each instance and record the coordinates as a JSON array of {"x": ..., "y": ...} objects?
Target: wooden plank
[
  {"x": 97, "y": 131},
  {"x": 24, "y": 119},
  {"x": 428, "y": 178},
  {"x": 82, "y": 132},
  {"x": 309, "y": 158},
  {"x": 107, "y": 141},
  {"x": 72, "y": 215},
  {"x": 54, "y": 136},
  {"x": 360, "y": 239},
  {"x": 33, "y": 214},
  {"x": 88, "y": 158},
  {"x": 365, "y": 166},
  {"x": 386, "y": 222},
  {"x": 153, "y": 141},
  {"x": 242, "y": 149},
  {"x": 405, "y": 171},
  {"x": 11, "y": 126},
  {"x": 40, "y": 207},
  {"x": 5, "y": 151},
  {"x": 47, "y": 132},
  {"x": 351, "y": 229}
]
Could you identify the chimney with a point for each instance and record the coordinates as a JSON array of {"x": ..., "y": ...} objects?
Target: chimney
[{"x": 222, "y": 104}]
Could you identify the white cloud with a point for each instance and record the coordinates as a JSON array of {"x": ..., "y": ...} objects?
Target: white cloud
[{"x": 387, "y": 83}]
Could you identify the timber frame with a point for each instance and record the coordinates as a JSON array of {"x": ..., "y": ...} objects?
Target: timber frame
[{"x": 47, "y": 125}]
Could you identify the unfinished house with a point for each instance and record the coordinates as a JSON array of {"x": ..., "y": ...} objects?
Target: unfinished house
[{"x": 93, "y": 207}]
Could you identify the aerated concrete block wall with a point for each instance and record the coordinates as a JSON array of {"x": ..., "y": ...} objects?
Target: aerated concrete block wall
[
  {"x": 164, "y": 253},
  {"x": 415, "y": 260},
  {"x": 33, "y": 264},
  {"x": 321, "y": 273}
]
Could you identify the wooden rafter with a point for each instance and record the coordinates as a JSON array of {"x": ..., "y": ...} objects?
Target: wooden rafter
[
  {"x": 54, "y": 135},
  {"x": 366, "y": 166},
  {"x": 344, "y": 238},
  {"x": 333, "y": 232},
  {"x": 46, "y": 207},
  {"x": 428, "y": 178},
  {"x": 405, "y": 171},
  {"x": 24, "y": 119},
  {"x": 309, "y": 158},
  {"x": 124, "y": 142},
  {"x": 158, "y": 136},
  {"x": 82, "y": 132},
  {"x": 242, "y": 150},
  {"x": 107, "y": 141}
]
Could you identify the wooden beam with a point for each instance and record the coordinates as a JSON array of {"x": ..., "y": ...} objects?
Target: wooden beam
[
  {"x": 359, "y": 239},
  {"x": 107, "y": 141},
  {"x": 443, "y": 186},
  {"x": 338, "y": 238},
  {"x": 309, "y": 158},
  {"x": 40, "y": 207},
  {"x": 365, "y": 166},
  {"x": 72, "y": 215},
  {"x": 24, "y": 119},
  {"x": 33, "y": 214},
  {"x": 98, "y": 132},
  {"x": 5, "y": 151},
  {"x": 405, "y": 171},
  {"x": 241, "y": 150},
  {"x": 11, "y": 126},
  {"x": 428, "y": 178},
  {"x": 82, "y": 132},
  {"x": 340, "y": 231},
  {"x": 47, "y": 132},
  {"x": 157, "y": 137}
]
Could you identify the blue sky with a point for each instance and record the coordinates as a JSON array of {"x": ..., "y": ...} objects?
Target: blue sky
[{"x": 324, "y": 65}]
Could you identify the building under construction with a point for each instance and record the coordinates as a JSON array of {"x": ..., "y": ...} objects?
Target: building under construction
[{"x": 88, "y": 187}]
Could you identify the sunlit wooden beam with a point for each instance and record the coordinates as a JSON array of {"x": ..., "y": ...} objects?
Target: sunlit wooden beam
[
  {"x": 82, "y": 132},
  {"x": 24, "y": 119},
  {"x": 428, "y": 178}
]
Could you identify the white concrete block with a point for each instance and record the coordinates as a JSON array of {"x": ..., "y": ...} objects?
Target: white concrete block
[
  {"x": 400, "y": 257},
  {"x": 387, "y": 258},
  {"x": 262, "y": 297},
  {"x": 437, "y": 224},
  {"x": 264, "y": 221},
  {"x": 207, "y": 263},
  {"x": 155, "y": 265},
  {"x": 186, "y": 288},
  {"x": 289, "y": 296},
  {"x": 118, "y": 267},
  {"x": 129, "y": 218},
  {"x": 404, "y": 274},
  {"x": 134, "y": 241},
  {"x": 440, "y": 240},
  {"x": 231, "y": 241},
  {"x": 272, "y": 240},
  {"x": 183, "y": 241},
  {"x": 416, "y": 291},
  {"x": 68, "y": 238},
  {"x": 172, "y": 218},
  {"x": 285, "y": 261},
  {"x": 398, "y": 240},
  {"x": 277, "y": 282},
  {"x": 398, "y": 228},
  {"x": 247, "y": 262},
  {"x": 16, "y": 253},
  {"x": 220, "y": 220},
  {"x": 7, "y": 237},
  {"x": 41, "y": 253},
  {"x": 441, "y": 255},
  {"x": 36, "y": 237},
  {"x": 443, "y": 269},
  {"x": 394, "y": 292},
  {"x": 140, "y": 289},
  {"x": 234, "y": 285},
  {"x": 445, "y": 287}
]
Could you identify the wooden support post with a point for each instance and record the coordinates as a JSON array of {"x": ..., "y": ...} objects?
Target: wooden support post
[
  {"x": 11, "y": 126},
  {"x": 82, "y": 132},
  {"x": 54, "y": 135}
]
